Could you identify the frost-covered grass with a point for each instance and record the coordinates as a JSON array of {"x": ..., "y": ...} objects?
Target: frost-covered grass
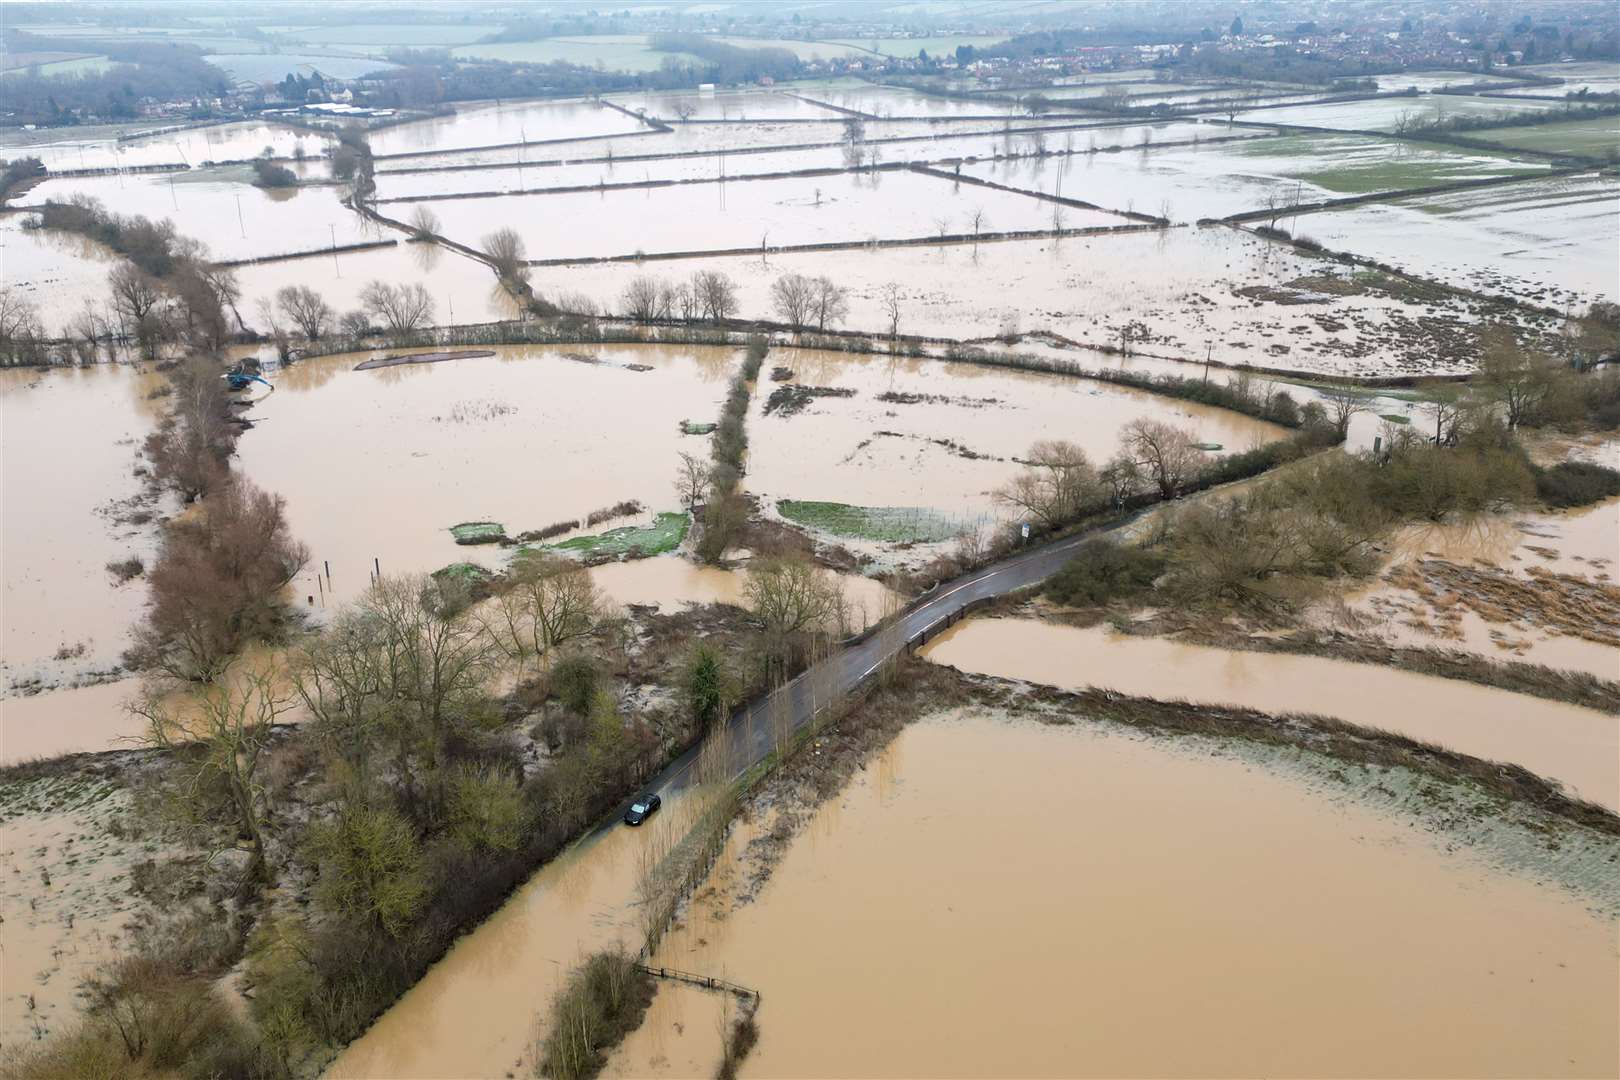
[
  {"x": 664, "y": 534},
  {"x": 900, "y": 524}
]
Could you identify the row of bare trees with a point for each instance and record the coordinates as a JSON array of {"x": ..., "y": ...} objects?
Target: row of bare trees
[
  {"x": 803, "y": 301},
  {"x": 707, "y": 294},
  {"x": 1060, "y": 484}
]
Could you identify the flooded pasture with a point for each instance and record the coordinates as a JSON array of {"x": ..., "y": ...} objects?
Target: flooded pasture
[
  {"x": 940, "y": 149},
  {"x": 1577, "y": 747},
  {"x": 513, "y": 122},
  {"x": 1015, "y": 899},
  {"x": 192, "y": 146},
  {"x": 223, "y": 209},
  {"x": 849, "y": 207},
  {"x": 1202, "y": 181},
  {"x": 463, "y": 290},
  {"x": 1181, "y": 285},
  {"x": 944, "y": 435},
  {"x": 1552, "y": 241},
  {"x": 1386, "y": 114},
  {"x": 68, "y": 445},
  {"x": 377, "y": 465},
  {"x": 1544, "y": 589},
  {"x": 58, "y": 272}
]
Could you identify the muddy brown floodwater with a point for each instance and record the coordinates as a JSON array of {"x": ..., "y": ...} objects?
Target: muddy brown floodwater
[
  {"x": 474, "y": 1013},
  {"x": 379, "y": 464},
  {"x": 1578, "y": 747},
  {"x": 993, "y": 898},
  {"x": 68, "y": 443}
]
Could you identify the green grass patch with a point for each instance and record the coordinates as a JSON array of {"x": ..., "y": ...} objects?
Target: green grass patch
[
  {"x": 899, "y": 524},
  {"x": 696, "y": 427},
  {"x": 1596, "y": 137},
  {"x": 665, "y": 534},
  {"x": 465, "y": 572},
  {"x": 1394, "y": 418},
  {"x": 478, "y": 532}
]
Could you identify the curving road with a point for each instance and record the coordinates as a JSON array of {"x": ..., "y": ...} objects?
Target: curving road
[{"x": 750, "y": 735}]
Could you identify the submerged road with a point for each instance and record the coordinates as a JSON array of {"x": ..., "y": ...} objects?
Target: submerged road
[{"x": 750, "y": 726}]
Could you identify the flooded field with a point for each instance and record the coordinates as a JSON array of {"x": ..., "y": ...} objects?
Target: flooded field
[
  {"x": 68, "y": 443},
  {"x": 528, "y": 437},
  {"x": 1180, "y": 285},
  {"x": 1552, "y": 240},
  {"x": 940, "y": 148},
  {"x": 223, "y": 209},
  {"x": 873, "y": 927},
  {"x": 1232, "y": 177},
  {"x": 475, "y": 1012},
  {"x": 1386, "y": 114},
  {"x": 65, "y": 899},
  {"x": 734, "y": 105},
  {"x": 851, "y": 207},
  {"x": 670, "y": 581},
  {"x": 866, "y": 450},
  {"x": 58, "y": 272},
  {"x": 1533, "y": 588},
  {"x": 192, "y": 146},
  {"x": 463, "y": 289},
  {"x": 1578, "y": 747},
  {"x": 484, "y": 125}
]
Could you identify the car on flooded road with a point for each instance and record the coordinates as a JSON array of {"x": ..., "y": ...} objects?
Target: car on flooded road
[{"x": 643, "y": 808}]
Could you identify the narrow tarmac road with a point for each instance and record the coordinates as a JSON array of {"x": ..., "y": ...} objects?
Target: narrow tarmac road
[{"x": 750, "y": 735}]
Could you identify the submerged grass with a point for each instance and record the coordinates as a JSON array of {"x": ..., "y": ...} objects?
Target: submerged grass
[
  {"x": 666, "y": 533},
  {"x": 896, "y": 524}
]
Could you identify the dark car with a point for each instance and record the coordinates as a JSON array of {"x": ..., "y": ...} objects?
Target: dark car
[{"x": 643, "y": 808}]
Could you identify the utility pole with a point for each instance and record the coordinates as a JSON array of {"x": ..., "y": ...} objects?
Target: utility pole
[
  {"x": 1209, "y": 350},
  {"x": 239, "y": 222},
  {"x": 335, "y": 265}
]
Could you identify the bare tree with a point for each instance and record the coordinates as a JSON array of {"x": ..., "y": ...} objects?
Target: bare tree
[
  {"x": 551, "y": 602},
  {"x": 233, "y": 723},
  {"x": 831, "y": 302},
  {"x": 684, "y": 110},
  {"x": 716, "y": 293},
  {"x": 891, "y": 307},
  {"x": 1167, "y": 454},
  {"x": 791, "y": 597},
  {"x": 306, "y": 309},
  {"x": 978, "y": 221},
  {"x": 505, "y": 251},
  {"x": 1056, "y": 485},
  {"x": 640, "y": 299},
  {"x": 435, "y": 659},
  {"x": 793, "y": 296},
  {"x": 136, "y": 294},
  {"x": 1343, "y": 404},
  {"x": 684, "y": 301},
  {"x": 1122, "y": 476},
  {"x": 691, "y": 480},
  {"x": 402, "y": 309},
  {"x": 1513, "y": 377},
  {"x": 424, "y": 222}
]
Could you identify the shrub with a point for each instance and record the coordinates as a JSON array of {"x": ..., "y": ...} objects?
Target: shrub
[
  {"x": 1576, "y": 483},
  {"x": 268, "y": 174},
  {"x": 602, "y": 1002},
  {"x": 1102, "y": 570},
  {"x": 574, "y": 679}
]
